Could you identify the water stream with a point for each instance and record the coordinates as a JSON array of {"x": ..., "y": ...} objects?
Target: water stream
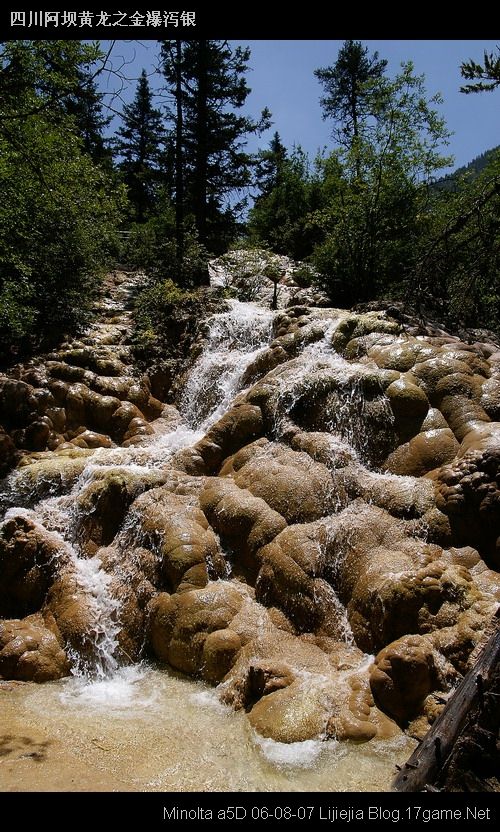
[
  {"x": 234, "y": 339},
  {"x": 148, "y": 729},
  {"x": 145, "y": 729}
]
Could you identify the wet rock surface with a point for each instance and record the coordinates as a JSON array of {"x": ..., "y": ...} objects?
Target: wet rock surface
[
  {"x": 31, "y": 651},
  {"x": 314, "y": 526},
  {"x": 84, "y": 395}
]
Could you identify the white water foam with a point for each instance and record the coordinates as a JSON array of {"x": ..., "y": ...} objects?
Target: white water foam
[
  {"x": 121, "y": 691},
  {"x": 208, "y": 699},
  {"x": 95, "y": 583},
  {"x": 343, "y": 403},
  {"x": 289, "y": 754},
  {"x": 235, "y": 339}
]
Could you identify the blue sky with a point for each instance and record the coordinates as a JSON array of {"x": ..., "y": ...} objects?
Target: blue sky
[{"x": 282, "y": 79}]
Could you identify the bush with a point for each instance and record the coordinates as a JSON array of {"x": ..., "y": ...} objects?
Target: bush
[
  {"x": 304, "y": 275},
  {"x": 154, "y": 308},
  {"x": 151, "y": 246},
  {"x": 55, "y": 244},
  {"x": 246, "y": 269}
]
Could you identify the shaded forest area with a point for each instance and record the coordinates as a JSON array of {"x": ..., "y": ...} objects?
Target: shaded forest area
[{"x": 371, "y": 219}]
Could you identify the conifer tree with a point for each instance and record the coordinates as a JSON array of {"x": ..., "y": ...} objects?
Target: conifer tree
[
  {"x": 172, "y": 64},
  {"x": 289, "y": 194},
  {"x": 486, "y": 75},
  {"x": 350, "y": 89},
  {"x": 270, "y": 166},
  {"x": 378, "y": 187},
  {"x": 206, "y": 80},
  {"x": 86, "y": 107},
  {"x": 140, "y": 147}
]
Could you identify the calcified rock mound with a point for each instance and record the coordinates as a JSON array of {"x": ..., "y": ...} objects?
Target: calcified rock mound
[
  {"x": 83, "y": 395},
  {"x": 32, "y": 650},
  {"x": 364, "y": 512},
  {"x": 325, "y": 549}
]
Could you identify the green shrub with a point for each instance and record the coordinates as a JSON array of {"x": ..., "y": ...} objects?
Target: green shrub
[{"x": 304, "y": 275}]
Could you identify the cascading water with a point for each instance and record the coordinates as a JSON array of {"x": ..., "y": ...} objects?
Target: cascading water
[
  {"x": 234, "y": 339},
  {"x": 105, "y": 610},
  {"x": 321, "y": 374}
]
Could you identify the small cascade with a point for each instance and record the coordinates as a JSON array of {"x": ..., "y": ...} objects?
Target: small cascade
[
  {"x": 95, "y": 583},
  {"x": 234, "y": 340},
  {"x": 336, "y": 619},
  {"x": 324, "y": 391},
  {"x": 102, "y": 609}
]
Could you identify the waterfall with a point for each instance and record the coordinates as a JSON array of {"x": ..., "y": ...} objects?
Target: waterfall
[
  {"x": 321, "y": 373},
  {"x": 95, "y": 582},
  {"x": 233, "y": 340},
  {"x": 128, "y": 542}
]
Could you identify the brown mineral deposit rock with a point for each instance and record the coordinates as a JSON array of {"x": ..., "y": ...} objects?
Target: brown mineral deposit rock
[{"x": 30, "y": 651}]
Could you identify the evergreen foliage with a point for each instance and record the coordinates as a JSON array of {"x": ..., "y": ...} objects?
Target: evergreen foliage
[
  {"x": 457, "y": 272},
  {"x": 466, "y": 173},
  {"x": 379, "y": 188},
  {"x": 206, "y": 81},
  {"x": 85, "y": 105},
  {"x": 282, "y": 215},
  {"x": 486, "y": 75},
  {"x": 351, "y": 90},
  {"x": 59, "y": 210},
  {"x": 142, "y": 156}
]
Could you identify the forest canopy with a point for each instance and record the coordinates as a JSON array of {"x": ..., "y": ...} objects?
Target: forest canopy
[{"x": 166, "y": 180}]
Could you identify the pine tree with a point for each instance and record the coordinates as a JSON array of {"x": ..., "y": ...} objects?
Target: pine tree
[
  {"x": 86, "y": 107},
  {"x": 206, "y": 81},
  {"x": 289, "y": 194},
  {"x": 270, "y": 166},
  {"x": 140, "y": 146},
  {"x": 487, "y": 75},
  {"x": 350, "y": 85},
  {"x": 172, "y": 63}
]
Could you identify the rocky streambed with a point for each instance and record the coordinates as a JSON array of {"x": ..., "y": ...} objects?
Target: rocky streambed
[{"x": 311, "y": 529}]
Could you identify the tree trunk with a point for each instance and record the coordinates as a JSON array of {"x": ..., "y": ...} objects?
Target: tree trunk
[
  {"x": 427, "y": 760},
  {"x": 179, "y": 156}
]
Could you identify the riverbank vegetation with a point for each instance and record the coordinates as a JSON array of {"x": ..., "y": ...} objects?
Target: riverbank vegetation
[{"x": 171, "y": 182}]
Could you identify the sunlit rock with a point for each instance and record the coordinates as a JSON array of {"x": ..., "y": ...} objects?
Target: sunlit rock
[
  {"x": 45, "y": 475},
  {"x": 322, "y": 486},
  {"x": 180, "y": 623},
  {"x": 403, "y": 675},
  {"x": 102, "y": 504},
  {"x": 423, "y": 453},
  {"x": 467, "y": 491},
  {"x": 244, "y": 522},
  {"x": 30, "y": 651},
  {"x": 30, "y": 558},
  {"x": 179, "y": 533}
]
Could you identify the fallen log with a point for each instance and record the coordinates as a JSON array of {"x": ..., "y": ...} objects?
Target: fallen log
[{"x": 421, "y": 770}]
